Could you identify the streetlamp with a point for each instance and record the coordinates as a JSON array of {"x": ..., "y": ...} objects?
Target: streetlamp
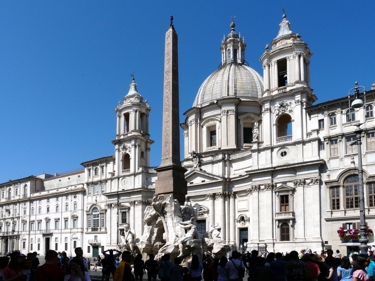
[{"x": 358, "y": 103}]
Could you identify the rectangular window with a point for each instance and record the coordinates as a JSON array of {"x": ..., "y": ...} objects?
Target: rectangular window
[
  {"x": 284, "y": 232},
  {"x": 351, "y": 196},
  {"x": 74, "y": 225},
  {"x": 334, "y": 149},
  {"x": 31, "y": 247},
  {"x": 247, "y": 135},
  {"x": 124, "y": 217},
  {"x": 31, "y": 226},
  {"x": 56, "y": 246},
  {"x": 350, "y": 115},
  {"x": 335, "y": 198},
  {"x": 321, "y": 145},
  {"x": 66, "y": 246},
  {"x": 371, "y": 194},
  {"x": 369, "y": 111},
  {"x": 351, "y": 147},
  {"x": 56, "y": 224},
  {"x": 24, "y": 226},
  {"x": 66, "y": 224},
  {"x": 103, "y": 187},
  {"x": 88, "y": 249},
  {"x": 96, "y": 189},
  {"x": 370, "y": 141},
  {"x": 39, "y": 225},
  {"x": 101, "y": 220},
  {"x": 38, "y": 247},
  {"x": 74, "y": 244},
  {"x": 332, "y": 119},
  {"x": 89, "y": 190},
  {"x": 213, "y": 138},
  {"x": 321, "y": 123},
  {"x": 284, "y": 203},
  {"x": 23, "y": 244},
  {"x": 47, "y": 225}
]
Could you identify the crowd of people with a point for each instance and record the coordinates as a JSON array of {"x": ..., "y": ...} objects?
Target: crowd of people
[{"x": 293, "y": 266}]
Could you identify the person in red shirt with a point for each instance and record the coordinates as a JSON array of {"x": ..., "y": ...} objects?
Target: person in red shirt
[
  {"x": 14, "y": 271},
  {"x": 50, "y": 270}
]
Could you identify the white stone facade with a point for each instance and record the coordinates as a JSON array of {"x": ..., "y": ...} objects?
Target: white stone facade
[{"x": 263, "y": 162}]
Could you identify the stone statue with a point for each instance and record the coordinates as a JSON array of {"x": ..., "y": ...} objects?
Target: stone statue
[
  {"x": 255, "y": 131},
  {"x": 127, "y": 238},
  {"x": 215, "y": 244},
  {"x": 190, "y": 235}
]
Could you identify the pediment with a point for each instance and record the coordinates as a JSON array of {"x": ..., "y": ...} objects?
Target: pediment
[
  {"x": 196, "y": 177},
  {"x": 284, "y": 188},
  {"x": 249, "y": 117}
]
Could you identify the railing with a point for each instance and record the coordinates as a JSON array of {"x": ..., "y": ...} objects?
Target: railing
[
  {"x": 289, "y": 214},
  {"x": 94, "y": 242},
  {"x": 96, "y": 229},
  {"x": 283, "y": 139}
]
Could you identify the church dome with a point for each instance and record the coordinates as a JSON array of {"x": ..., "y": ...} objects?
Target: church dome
[
  {"x": 230, "y": 80},
  {"x": 234, "y": 78}
]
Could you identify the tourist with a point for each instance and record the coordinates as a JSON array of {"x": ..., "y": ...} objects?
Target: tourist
[
  {"x": 176, "y": 271},
  {"x": 186, "y": 276},
  {"x": 195, "y": 269},
  {"x": 164, "y": 266},
  {"x": 98, "y": 262},
  {"x": 331, "y": 261},
  {"x": 221, "y": 271},
  {"x": 151, "y": 266},
  {"x": 27, "y": 267},
  {"x": 296, "y": 268},
  {"x": 79, "y": 255},
  {"x": 213, "y": 268},
  {"x": 235, "y": 267},
  {"x": 270, "y": 258},
  {"x": 278, "y": 268},
  {"x": 77, "y": 271},
  {"x": 124, "y": 270},
  {"x": 4, "y": 260},
  {"x": 344, "y": 271},
  {"x": 49, "y": 270},
  {"x": 325, "y": 270},
  {"x": 207, "y": 273},
  {"x": 312, "y": 267},
  {"x": 110, "y": 258},
  {"x": 263, "y": 272},
  {"x": 138, "y": 267},
  {"x": 371, "y": 268},
  {"x": 14, "y": 271},
  {"x": 250, "y": 265},
  {"x": 359, "y": 265}
]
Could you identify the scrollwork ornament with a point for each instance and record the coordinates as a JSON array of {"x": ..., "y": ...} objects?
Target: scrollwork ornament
[{"x": 282, "y": 107}]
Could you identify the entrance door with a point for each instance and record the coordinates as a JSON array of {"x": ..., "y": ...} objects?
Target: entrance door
[
  {"x": 95, "y": 251},
  {"x": 243, "y": 237},
  {"x": 47, "y": 246}
]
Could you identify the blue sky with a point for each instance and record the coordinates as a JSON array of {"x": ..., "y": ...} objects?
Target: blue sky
[{"x": 64, "y": 65}]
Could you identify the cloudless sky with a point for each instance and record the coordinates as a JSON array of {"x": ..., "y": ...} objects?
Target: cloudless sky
[{"x": 64, "y": 65}]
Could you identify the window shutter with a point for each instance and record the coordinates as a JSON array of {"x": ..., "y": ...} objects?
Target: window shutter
[
  {"x": 89, "y": 221},
  {"x": 101, "y": 220}
]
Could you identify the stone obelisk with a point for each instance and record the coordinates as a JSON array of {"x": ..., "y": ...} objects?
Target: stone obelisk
[{"x": 171, "y": 175}]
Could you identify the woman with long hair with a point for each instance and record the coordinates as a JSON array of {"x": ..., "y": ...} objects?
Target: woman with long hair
[
  {"x": 344, "y": 270},
  {"x": 359, "y": 265},
  {"x": 77, "y": 271},
  {"x": 221, "y": 271},
  {"x": 196, "y": 269}
]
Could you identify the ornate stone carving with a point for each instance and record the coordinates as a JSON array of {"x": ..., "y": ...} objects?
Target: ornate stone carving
[
  {"x": 282, "y": 107},
  {"x": 299, "y": 182},
  {"x": 255, "y": 131}
]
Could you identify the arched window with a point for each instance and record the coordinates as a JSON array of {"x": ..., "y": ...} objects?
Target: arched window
[
  {"x": 369, "y": 111},
  {"x": 284, "y": 232},
  {"x": 25, "y": 190},
  {"x": 350, "y": 115},
  {"x": 96, "y": 171},
  {"x": 284, "y": 126},
  {"x": 57, "y": 208},
  {"x": 66, "y": 207},
  {"x": 95, "y": 219},
  {"x": 9, "y": 193},
  {"x": 39, "y": 210},
  {"x": 126, "y": 162},
  {"x": 351, "y": 192}
]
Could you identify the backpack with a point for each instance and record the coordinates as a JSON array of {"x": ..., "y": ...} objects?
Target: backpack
[{"x": 299, "y": 271}]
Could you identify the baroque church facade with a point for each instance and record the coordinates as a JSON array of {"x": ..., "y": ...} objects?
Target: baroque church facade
[{"x": 273, "y": 168}]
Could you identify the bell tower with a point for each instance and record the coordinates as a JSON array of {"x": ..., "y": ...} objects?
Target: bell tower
[
  {"x": 287, "y": 92},
  {"x": 132, "y": 143}
]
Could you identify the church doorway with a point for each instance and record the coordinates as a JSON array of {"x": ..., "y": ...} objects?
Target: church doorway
[
  {"x": 95, "y": 251},
  {"x": 244, "y": 232}
]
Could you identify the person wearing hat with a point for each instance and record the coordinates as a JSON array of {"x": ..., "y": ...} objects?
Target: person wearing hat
[
  {"x": 326, "y": 271},
  {"x": 14, "y": 271}
]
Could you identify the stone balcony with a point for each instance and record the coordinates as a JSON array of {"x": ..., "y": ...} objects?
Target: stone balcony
[
  {"x": 284, "y": 215},
  {"x": 283, "y": 139}
]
